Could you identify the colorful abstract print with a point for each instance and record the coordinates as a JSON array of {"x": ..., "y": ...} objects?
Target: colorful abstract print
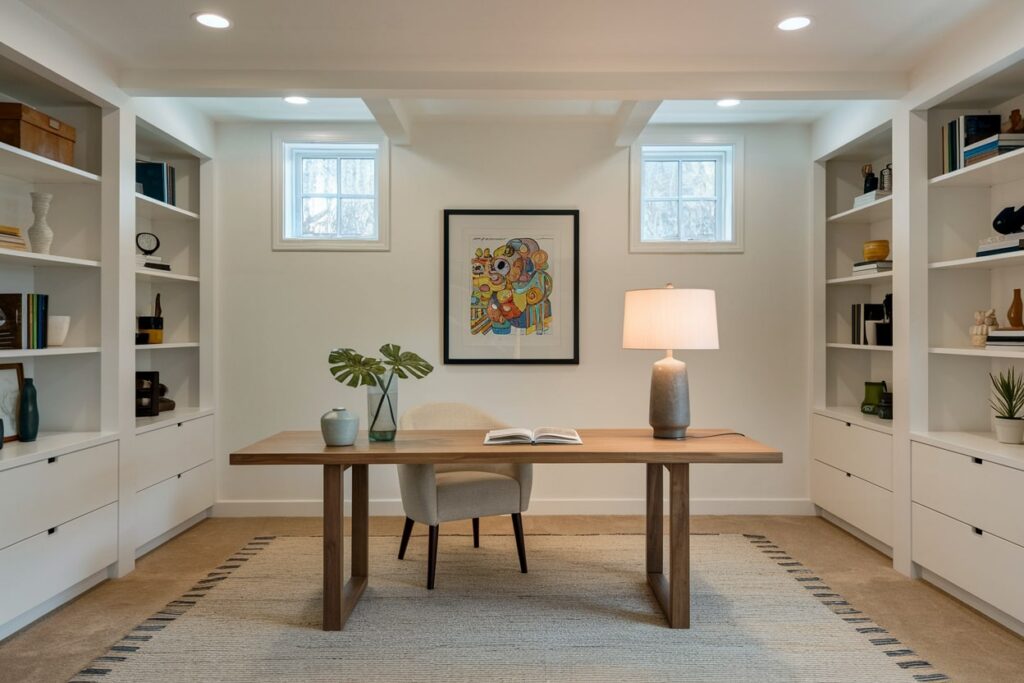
[{"x": 511, "y": 289}]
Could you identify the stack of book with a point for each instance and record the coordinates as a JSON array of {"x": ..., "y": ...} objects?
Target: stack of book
[
  {"x": 870, "y": 198},
  {"x": 157, "y": 180},
  {"x": 24, "y": 321},
  {"x": 154, "y": 262},
  {"x": 992, "y": 146},
  {"x": 1000, "y": 244},
  {"x": 866, "y": 267},
  {"x": 10, "y": 238},
  {"x": 963, "y": 132},
  {"x": 1004, "y": 338}
]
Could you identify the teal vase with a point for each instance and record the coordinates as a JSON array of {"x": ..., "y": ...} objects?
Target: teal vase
[{"x": 28, "y": 413}]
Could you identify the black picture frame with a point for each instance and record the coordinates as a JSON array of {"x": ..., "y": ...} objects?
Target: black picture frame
[
  {"x": 147, "y": 393},
  {"x": 574, "y": 359}
]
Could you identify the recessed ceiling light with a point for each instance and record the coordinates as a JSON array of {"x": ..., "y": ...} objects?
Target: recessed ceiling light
[
  {"x": 794, "y": 23},
  {"x": 728, "y": 102},
  {"x": 212, "y": 20},
  {"x": 296, "y": 99}
]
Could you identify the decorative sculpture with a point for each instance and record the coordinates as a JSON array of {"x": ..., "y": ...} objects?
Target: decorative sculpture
[{"x": 984, "y": 323}]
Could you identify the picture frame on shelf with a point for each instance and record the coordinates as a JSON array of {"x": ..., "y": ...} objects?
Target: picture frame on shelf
[
  {"x": 12, "y": 382},
  {"x": 511, "y": 286},
  {"x": 147, "y": 393}
]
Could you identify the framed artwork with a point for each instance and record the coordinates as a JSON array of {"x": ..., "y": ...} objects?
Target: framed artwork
[
  {"x": 511, "y": 286},
  {"x": 12, "y": 380},
  {"x": 147, "y": 393}
]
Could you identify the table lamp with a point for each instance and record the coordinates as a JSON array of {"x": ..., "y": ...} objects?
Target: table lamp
[{"x": 670, "y": 319}]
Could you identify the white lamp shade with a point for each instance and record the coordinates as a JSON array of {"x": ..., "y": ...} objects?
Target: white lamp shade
[{"x": 670, "y": 319}]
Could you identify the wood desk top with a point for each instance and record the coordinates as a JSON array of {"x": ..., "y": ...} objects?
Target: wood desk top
[{"x": 466, "y": 446}]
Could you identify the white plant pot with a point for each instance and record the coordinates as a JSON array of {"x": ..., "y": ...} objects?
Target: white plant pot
[
  {"x": 1009, "y": 430},
  {"x": 57, "y": 329}
]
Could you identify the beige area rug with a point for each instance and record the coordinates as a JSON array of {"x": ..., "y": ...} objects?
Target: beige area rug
[{"x": 583, "y": 613}]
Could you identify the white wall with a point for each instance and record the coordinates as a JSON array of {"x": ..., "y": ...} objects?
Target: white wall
[{"x": 282, "y": 312}]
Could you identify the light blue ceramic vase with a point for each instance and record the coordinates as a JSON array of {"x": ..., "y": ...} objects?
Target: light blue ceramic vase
[{"x": 340, "y": 427}]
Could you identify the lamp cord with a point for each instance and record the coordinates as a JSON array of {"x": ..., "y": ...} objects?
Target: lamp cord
[{"x": 710, "y": 436}]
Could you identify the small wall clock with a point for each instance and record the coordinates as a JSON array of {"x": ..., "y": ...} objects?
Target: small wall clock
[{"x": 147, "y": 243}]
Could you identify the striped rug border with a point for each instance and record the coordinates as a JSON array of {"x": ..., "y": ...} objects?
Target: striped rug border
[
  {"x": 901, "y": 655},
  {"x": 131, "y": 643}
]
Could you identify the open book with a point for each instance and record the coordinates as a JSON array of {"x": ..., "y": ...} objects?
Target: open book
[{"x": 550, "y": 435}]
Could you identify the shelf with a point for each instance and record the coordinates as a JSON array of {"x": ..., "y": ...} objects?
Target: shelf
[
  {"x": 28, "y": 258},
  {"x": 151, "y": 274},
  {"x": 1001, "y": 352},
  {"x": 155, "y": 210},
  {"x": 975, "y": 445},
  {"x": 32, "y": 168},
  {"x": 853, "y": 415},
  {"x": 874, "y": 212},
  {"x": 860, "y": 279},
  {"x": 1004, "y": 168},
  {"x": 50, "y": 445},
  {"x": 52, "y": 351},
  {"x": 148, "y": 424},
  {"x": 167, "y": 345},
  {"x": 1010, "y": 260},
  {"x": 858, "y": 347}
]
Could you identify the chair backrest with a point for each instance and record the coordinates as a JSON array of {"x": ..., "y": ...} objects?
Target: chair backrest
[{"x": 448, "y": 416}]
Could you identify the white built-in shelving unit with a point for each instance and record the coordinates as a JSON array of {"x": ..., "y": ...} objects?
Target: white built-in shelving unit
[
  {"x": 99, "y": 486},
  {"x": 933, "y": 487}
]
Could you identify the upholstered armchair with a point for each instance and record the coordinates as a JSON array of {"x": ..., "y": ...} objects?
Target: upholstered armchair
[{"x": 432, "y": 494}]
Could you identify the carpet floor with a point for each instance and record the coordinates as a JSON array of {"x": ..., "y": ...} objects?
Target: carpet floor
[{"x": 583, "y": 613}]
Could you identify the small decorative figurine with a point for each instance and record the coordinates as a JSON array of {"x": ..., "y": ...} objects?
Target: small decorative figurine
[
  {"x": 1015, "y": 124},
  {"x": 870, "y": 179},
  {"x": 984, "y": 323},
  {"x": 885, "y": 179}
]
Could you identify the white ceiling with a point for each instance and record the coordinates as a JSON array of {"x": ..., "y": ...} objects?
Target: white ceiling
[
  {"x": 512, "y": 35},
  {"x": 276, "y": 109}
]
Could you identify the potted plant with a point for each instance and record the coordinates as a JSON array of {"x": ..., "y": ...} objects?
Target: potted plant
[
  {"x": 1008, "y": 402},
  {"x": 379, "y": 376}
]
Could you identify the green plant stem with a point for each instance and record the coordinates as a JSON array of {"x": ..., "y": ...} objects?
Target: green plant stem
[{"x": 380, "y": 404}]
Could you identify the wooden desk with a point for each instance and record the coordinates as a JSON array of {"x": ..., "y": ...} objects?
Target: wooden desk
[{"x": 466, "y": 446}]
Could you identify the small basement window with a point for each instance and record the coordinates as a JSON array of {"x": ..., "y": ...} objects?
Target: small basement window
[{"x": 331, "y": 195}]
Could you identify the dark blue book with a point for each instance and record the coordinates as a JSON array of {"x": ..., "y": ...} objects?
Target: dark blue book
[{"x": 152, "y": 175}]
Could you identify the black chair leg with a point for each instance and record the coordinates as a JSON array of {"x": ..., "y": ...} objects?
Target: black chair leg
[
  {"x": 476, "y": 532},
  {"x": 517, "y": 526},
  {"x": 406, "y": 533},
  {"x": 432, "y": 557}
]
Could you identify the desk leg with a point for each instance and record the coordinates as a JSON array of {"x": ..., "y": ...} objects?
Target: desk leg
[
  {"x": 340, "y": 598},
  {"x": 672, "y": 592}
]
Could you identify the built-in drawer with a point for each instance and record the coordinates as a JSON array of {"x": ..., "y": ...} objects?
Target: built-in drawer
[
  {"x": 977, "y": 492},
  {"x": 163, "y": 506},
  {"x": 855, "y": 501},
  {"x": 39, "y": 496},
  {"x": 168, "y": 451},
  {"x": 982, "y": 564},
  {"x": 862, "y": 452},
  {"x": 34, "y": 570}
]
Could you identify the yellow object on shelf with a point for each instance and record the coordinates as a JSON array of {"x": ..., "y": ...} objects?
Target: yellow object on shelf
[{"x": 876, "y": 250}]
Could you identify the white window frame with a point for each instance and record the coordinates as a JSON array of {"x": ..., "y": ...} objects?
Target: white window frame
[
  {"x": 732, "y": 198},
  {"x": 285, "y": 182}
]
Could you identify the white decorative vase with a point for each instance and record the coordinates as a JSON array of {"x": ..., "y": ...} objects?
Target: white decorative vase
[
  {"x": 40, "y": 236},
  {"x": 1009, "y": 430},
  {"x": 57, "y": 329}
]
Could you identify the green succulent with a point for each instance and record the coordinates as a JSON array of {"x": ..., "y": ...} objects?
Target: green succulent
[{"x": 1008, "y": 390}]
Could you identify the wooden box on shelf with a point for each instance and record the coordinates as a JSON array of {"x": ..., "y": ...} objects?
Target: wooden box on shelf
[{"x": 33, "y": 131}]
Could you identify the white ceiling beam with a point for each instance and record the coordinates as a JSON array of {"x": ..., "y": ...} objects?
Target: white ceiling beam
[
  {"x": 807, "y": 85},
  {"x": 631, "y": 119},
  {"x": 391, "y": 118}
]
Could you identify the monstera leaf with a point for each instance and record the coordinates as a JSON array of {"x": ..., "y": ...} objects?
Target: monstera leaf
[
  {"x": 354, "y": 369},
  {"x": 404, "y": 363}
]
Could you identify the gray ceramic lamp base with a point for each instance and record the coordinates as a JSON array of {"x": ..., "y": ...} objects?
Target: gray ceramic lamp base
[{"x": 670, "y": 398}]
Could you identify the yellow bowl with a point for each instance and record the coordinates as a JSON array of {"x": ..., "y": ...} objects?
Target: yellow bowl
[{"x": 876, "y": 250}]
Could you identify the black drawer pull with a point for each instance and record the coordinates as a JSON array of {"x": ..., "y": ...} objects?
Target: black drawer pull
[
  {"x": 848, "y": 424},
  {"x": 848, "y": 474},
  {"x": 179, "y": 476},
  {"x": 978, "y": 531},
  {"x": 52, "y": 531},
  {"x": 50, "y": 461},
  {"x": 180, "y": 423},
  {"x": 978, "y": 461}
]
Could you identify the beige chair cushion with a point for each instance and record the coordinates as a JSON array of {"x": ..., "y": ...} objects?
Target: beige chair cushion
[{"x": 475, "y": 494}]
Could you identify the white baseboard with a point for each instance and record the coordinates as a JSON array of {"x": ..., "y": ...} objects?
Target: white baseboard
[
  {"x": 990, "y": 611},
  {"x": 543, "y": 506},
  {"x": 153, "y": 544},
  {"x": 883, "y": 548}
]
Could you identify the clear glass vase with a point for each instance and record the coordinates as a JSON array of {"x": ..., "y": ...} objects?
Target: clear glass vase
[{"x": 382, "y": 409}]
